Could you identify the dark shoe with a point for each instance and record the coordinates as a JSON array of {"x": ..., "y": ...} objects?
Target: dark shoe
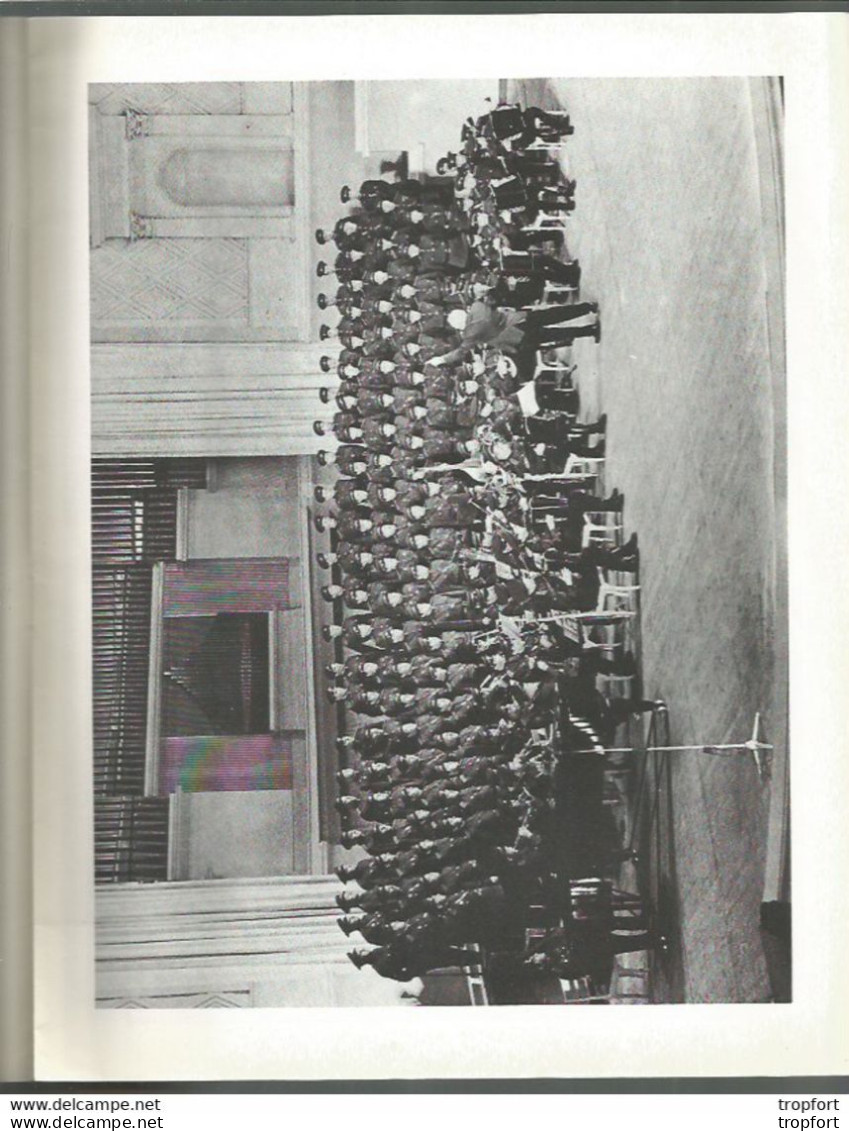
[
  {"x": 564, "y": 126},
  {"x": 625, "y": 565},
  {"x": 642, "y": 706},
  {"x": 597, "y": 332},
  {"x": 630, "y": 548}
]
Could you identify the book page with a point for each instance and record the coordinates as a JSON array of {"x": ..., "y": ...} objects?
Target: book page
[{"x": 742, "y": 1033}]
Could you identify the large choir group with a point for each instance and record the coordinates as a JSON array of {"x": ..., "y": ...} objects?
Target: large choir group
[{"x": 470, "y": 552}]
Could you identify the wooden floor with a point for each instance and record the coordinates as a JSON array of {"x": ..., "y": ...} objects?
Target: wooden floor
[{"x": 676, "y": 244}]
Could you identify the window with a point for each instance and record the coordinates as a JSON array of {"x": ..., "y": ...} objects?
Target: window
[{"x": 216, "y": 675}]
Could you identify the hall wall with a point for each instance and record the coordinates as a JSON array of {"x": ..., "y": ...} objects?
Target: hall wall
[
  {"x": 250, "y": 510},
  {"x": 424, "y": 118},
  {"x": 204, "y": 313},
  {"x": 254, "y": 509},
  {"x": 206, "y": 343}
]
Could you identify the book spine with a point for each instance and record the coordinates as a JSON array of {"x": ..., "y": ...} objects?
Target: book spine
[{"x": 16, "y": 1004}]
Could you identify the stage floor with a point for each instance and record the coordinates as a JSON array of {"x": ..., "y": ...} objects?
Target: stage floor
[{"x": 678, "y": 235}]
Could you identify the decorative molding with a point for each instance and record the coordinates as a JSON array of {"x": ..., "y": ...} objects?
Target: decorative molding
[
  {"x": 109, "y": 195},
  {"x": 159, "y": 98},
  {"x": 273, "y": 674},
  {"x": 182, "y": 542},
  {"x": 95, "y": 190},
  {"x": 276, "y": 227},
  {"x": 136, "y": 125},
  {"x": 263, "y": 130},
  {"x": 163, "y": 156},
  {"x": 180, "y": 283},
  {"x": 178, "y": 863},
  {"x": 222, "y": 999},
  {"x": 141, "y": 227},
  {"x": 183, "y": 928},
  {"x": 291, "y": 696},
  {"x": 292, "y": 365},
  {"x": 316, "y": 860},
  {"x": 154, "y": 686},
  {"x": 205, "y": 400}
]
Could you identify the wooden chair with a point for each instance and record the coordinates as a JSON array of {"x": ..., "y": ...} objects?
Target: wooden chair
[
  {"x": 585, "y": 991},
  {"x": 584, "y": 465},
  {"x": 612, "y": 588},
  {"x": 601, "y": 527},
  {"x": 546, "y": 221},
  {"x": 555, "y": 292},
  {"x": 473, "y": 972}
]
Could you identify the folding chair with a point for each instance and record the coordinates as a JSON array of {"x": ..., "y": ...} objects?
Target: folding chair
[
  {"x": 473, "y": 972},
  {"x": 584, "y": 465},
  {"x": 584, "y": 991},
  {"x": 545, "y": 221},
  {"x": 612, "y": 588},
  {"x": 601, "y": 527},
  {"x": 554, "y": 293}
]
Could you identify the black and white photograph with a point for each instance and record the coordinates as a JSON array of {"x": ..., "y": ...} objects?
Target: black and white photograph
[
  {"x": 438, "y": 555},
  {"x": 430, "y": 565}
]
